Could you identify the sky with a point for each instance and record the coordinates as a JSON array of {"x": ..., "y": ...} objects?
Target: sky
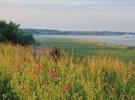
[{"x": 71, "y": 15}]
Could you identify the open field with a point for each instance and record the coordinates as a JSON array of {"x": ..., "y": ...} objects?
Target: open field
[
  {"x": 67, "y": 50},
  {"x": 101, "y": 78},
  {"x": 86, "y": 48}
]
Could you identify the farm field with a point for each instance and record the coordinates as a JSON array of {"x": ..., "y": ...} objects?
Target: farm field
[
  {"x": 98, "y": 77},
  {"x": 87, "y": 48}
]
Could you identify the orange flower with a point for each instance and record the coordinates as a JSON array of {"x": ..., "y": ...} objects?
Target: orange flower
[
  {"x": 19, "y": 64},
  {"x": 66, "y": 87},
  {"x": 54, "y": 75},
  {"x": 46, "y": 82},
  {"x": 30, "y": 70},
  {"x": 26, "y": 90},
  {"x": 36, "y": 73},
  {"x": 73, "y": 83}
]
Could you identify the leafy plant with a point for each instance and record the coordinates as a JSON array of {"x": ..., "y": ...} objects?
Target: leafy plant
[{"x": 12, "y": 32}]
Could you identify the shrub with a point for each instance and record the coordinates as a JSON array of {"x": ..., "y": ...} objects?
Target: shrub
[{"x": 12, "y": 32}]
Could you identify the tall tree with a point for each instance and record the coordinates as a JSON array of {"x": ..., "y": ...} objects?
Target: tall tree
[{"x": 12, "y": 32}]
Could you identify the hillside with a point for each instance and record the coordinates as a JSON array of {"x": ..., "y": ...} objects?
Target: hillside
[
  {"x": 24, "y": 77},
  {"x": 57, "y": 32}
]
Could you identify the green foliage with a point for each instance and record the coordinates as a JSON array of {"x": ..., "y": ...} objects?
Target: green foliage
[{"x": 11, "y": 32}]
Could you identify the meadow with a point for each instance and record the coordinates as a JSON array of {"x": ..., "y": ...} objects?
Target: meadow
[
  {"x": 97, "y": 76},
  {"x": 87, "y": 48}
]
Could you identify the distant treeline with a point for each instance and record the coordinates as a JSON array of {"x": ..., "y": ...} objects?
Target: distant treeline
[{"x": 57, "y": 32}]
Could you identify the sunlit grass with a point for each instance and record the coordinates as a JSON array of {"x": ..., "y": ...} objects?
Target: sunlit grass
[{"x": 97, "y": 77}]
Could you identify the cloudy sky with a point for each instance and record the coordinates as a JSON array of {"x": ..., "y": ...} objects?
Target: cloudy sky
[{"x": 83, "y": 15}]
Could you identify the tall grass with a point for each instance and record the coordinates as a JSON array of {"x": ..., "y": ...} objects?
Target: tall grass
[{"x": 24, "y": 77}]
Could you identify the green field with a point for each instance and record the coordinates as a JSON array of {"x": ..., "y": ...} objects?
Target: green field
[{"x": 89, "y": 48}]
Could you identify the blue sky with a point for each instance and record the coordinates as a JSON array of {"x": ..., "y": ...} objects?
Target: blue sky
[{"x": 83, "y": 15}]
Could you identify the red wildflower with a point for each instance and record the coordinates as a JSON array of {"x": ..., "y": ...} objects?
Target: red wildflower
[
  {"x": 51, "y": 71},
  {"x": 46, "y": 82},
  {"x": 36, "y": 73},
  {"x": 23, "y": 57},
  {"x": 26, "y": 90},
  {"x": 41, "y": 68},
  {"x": 54, "y": 75},
  {"x": 73, "y": 83},
  {"x": 37, "y": 66},
  {"x": 66, "y": 87},
  {"x": 20, "y": 63},
  {"x": 30, "y": 70}
]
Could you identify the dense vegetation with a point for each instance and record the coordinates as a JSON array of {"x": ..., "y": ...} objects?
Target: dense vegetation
[
  {"x": 27, "y": 78},
  {"x": 11, "y": 32}
]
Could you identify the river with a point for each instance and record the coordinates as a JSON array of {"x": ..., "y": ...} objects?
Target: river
[{"x": 126, "y": 40}]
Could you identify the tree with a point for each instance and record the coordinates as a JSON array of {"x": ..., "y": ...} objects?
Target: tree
[{"x": 11, "y": 32}]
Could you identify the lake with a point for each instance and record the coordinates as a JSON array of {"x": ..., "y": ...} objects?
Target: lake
[{"x": 125, "y": 40}]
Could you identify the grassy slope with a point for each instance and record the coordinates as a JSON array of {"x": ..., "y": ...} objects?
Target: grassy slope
[
  {"x": 85, "y": 48},
  {"x": 26, "y": 78}
]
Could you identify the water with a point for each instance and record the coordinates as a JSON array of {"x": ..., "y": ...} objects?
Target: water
[{"x": 126, "y": 40}]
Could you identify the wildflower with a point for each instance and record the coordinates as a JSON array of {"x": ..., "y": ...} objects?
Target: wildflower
[
  {"x": 19, "y": 64},
  {"x": 41, "y": 68},
  {"x": 66, "y": 87},
  {"x": 30, "y": 70},
  {"x": 54, "y": 75},
  {"x": 51, "y": 71},
  {"x": 73, "y": 83},
  {"x": 36, "y": 73},
  {"x": 23, "y": 57},
  {"x": 37, "y": 66},
  {"x": 46, "y": 82},
  {"x": 26, "y": 90}
]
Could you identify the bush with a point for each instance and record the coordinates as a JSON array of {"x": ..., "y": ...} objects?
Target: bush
[{"x": 11, "y": 32}]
